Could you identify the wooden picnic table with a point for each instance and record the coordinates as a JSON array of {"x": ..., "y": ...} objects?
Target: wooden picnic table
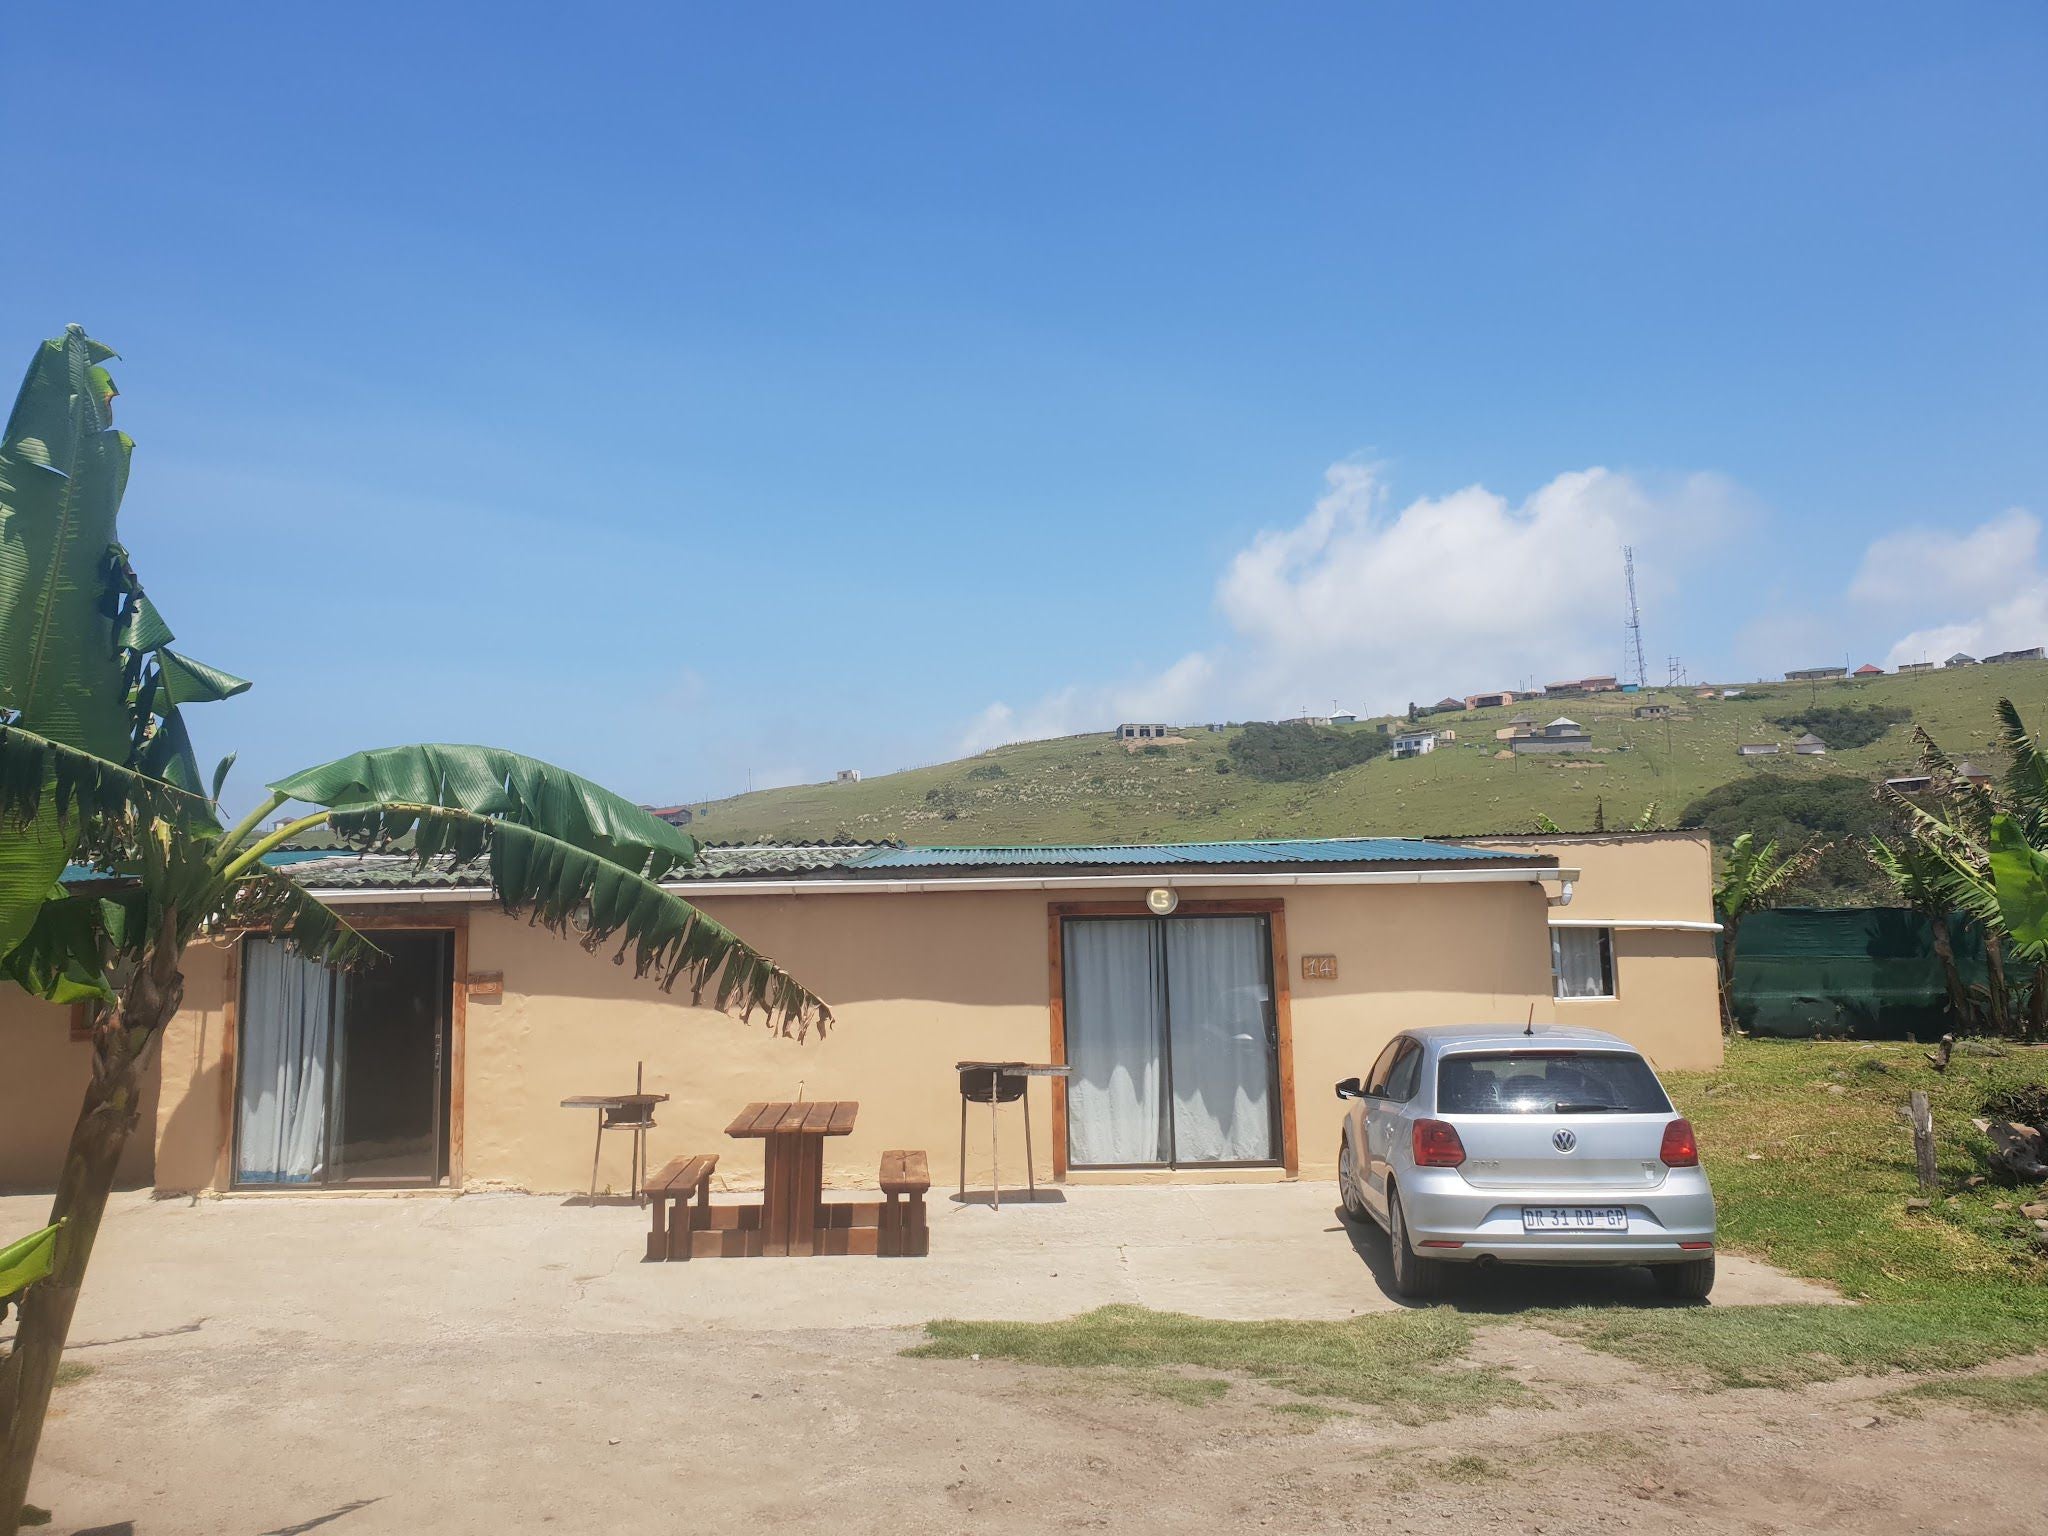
[{"x": 794, "y": 1147}]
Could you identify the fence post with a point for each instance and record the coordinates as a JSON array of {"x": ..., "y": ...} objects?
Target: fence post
[{"x": 1923, "y": 1142}]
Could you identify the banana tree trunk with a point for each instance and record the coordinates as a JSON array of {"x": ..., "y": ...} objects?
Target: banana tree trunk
[
  {"x": 113, "y": 1101},
  {"x": 1729, "y": 928},
  {"x": 1996, "y": 995},
  {"x": 1961, "y": 1011}
]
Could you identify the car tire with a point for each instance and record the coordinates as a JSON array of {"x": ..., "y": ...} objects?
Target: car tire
[
  {"x": 1415, "y": 1278},
  {"x": 1687, "y": 1281},
  {"x": 1347, "y": 1186}
]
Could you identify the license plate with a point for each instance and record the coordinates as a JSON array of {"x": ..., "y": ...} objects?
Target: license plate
[{"x": 1574, "y": 1218}]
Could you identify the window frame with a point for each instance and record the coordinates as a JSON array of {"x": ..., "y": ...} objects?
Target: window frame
[{"x": 1610, "y": 968}]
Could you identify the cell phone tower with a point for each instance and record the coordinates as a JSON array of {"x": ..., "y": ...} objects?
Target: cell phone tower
[{"x": 1633, "y": 657}]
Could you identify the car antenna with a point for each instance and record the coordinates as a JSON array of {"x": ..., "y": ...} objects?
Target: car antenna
[{"x": 1530, "y": 1027}]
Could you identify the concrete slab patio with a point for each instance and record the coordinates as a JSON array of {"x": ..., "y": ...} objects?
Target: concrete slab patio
[{"x": 345, "y": 1264}]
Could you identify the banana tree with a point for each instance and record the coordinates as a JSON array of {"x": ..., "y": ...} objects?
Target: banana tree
[
  {"x": 1985, "y": 850},
  {"x": 97, "y": 770},
  {"x": 1752, "y": 878}
]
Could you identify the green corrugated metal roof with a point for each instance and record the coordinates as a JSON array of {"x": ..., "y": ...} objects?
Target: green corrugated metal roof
[
  {"x": 715, "y": 861},
  {"x": 732, "y": 861}
]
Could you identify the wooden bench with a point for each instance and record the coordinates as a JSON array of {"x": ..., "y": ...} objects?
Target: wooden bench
[
  {"x": 906, "y": 1177},
  {"x": 678, "y": 1180}
]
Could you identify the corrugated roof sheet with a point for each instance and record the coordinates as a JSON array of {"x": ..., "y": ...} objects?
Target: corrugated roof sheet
[
  {"x": 1324, "y": 850},
  {"x": 397, "y": 871}
]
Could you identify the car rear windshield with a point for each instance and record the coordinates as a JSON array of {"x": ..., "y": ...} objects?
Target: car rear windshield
[{"x": 1548, "y": 1083}]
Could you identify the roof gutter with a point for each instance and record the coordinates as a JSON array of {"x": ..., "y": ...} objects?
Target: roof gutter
[
  {"x": 357, "y": 895},
  {"x": 1635, "y": 924}
]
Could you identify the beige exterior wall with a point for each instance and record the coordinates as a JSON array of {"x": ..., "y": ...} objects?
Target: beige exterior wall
[
  {"x": 920, "y": 981},
  {"x": 43, "y": 1073},
  {"x": 1666, "y": 1001}
]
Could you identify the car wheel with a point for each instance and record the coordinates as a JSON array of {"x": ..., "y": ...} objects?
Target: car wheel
[
  {"x": 1688, "y": 1281},
  {"x": 1416, "y": 1278},
  {"x": 1347, "y": 1181}
]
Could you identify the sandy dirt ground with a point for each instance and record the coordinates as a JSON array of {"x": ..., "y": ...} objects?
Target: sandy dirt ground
[{"x": 276, "y": 1367}]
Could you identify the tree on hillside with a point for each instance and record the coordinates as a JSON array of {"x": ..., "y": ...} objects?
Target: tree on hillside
[
  {"x": 96, "y": 768},
  {"x": 1753, "y": 877},
  {"x": 1837, "y": 810}
]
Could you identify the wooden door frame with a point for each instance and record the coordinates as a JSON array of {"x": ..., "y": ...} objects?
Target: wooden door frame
[
  {"x": 1273, "y": 909},
  {"x": 423, "y": 919}
]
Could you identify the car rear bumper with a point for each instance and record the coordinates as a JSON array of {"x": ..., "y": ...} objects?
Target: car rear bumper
[{"x": 1666, "y": 1225}]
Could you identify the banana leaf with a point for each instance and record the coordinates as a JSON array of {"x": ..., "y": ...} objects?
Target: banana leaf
[
  {"x": 63, "y": 592},
  {"x": 2019, "y": 874},
  {"x": 575, "y": 857},
  {"x": 25, "y": 1262}
]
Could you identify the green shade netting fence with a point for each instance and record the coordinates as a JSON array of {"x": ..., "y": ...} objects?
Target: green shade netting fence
[{"x": 1867, "y": 973}]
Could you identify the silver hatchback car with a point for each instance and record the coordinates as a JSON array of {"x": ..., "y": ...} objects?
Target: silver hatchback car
[{"x": 1488, "y": 1143}]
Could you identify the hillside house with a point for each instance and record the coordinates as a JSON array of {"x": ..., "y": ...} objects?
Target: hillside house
[
  {"x": 1561, "y": 735},
  {"x": 1447, "y": 705},
  {"x": 1344, "y": 719},
  {"x": 1652, "y": 711},
  {"x": 1414, "y": 743},
  {"x": 2031, "y": 653},
  {"x": 1757, "y": 749},
  {"x": 1867, "y": 670},
  {"x": 1306, "y": 720},
  {"x": 1572, "y": 687},
  {"x": 1143, "y": 732},
  {"x": 1810, "y": 745},
  {"x": 674, "y": 815},
  {"x": 1499, "y": 700},
  {"x": 1815, "y": 674},
  {"x": 1961, "y": 659},
  {"x": 846, "y": 776},
  {"x": 1520, "y": 725},
  {"x": 1916, "y": 666},
  {"x": 1446, "y": 735}
]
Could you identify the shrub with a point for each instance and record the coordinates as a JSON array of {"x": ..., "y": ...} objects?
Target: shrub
[
  {"x": 1844, "y": 726},
  {"x": 987, "y": 771}
]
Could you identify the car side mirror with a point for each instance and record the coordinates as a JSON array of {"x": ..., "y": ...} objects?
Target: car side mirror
[{"x": 1349, "y": 1089}]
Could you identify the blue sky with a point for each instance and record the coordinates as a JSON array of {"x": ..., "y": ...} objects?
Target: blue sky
[{"x": 684, "y": 393}]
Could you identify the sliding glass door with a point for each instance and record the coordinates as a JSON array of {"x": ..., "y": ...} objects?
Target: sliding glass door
[
  {"x": 341, "y": 1077},
  {"x": 1172, "y": 1041}
]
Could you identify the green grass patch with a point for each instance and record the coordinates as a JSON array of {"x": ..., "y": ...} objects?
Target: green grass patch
[
  {"x": 1995, "y": 1396},
  {"x": 1406, "y": 1363},
  {"x": 70, "y": 1371},
  {"x": 1790, "y": 1346},
  {"x": 1812, "y": 1164}
]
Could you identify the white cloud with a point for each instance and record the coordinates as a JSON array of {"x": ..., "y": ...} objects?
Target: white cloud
[
  {"x": 1984, "y": 590},
  {"x": 1174, "y": 695},
  {"x": 1371, "y": 607}
]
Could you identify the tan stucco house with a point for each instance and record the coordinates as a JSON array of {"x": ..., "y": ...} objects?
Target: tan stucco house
[{"x": 1204, "y": 996}]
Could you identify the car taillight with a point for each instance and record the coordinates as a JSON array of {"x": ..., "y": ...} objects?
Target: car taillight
[
  {"x": 1437, "y": 1144},
  {"x": 1681, "y": 1148}
]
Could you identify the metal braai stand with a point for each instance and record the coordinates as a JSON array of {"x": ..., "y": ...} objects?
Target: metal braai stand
[
  {"x": 622, "y": 1112},
  {"x": 995, "y": 1083}
]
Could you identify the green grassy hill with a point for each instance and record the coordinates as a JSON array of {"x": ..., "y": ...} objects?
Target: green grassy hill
[{"x": 1090, "y": 789}]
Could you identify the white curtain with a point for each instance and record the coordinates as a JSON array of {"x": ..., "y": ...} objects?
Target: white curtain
[
  {"x": 1579, "y": 956},
  {"x": 287, "y": 1024},
  {"x": 1222, "y": 1045},
  {"x": 1116, "y": 1106}
]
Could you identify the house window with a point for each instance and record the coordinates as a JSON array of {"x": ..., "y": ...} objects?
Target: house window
[{"x": 1582, "y": 962}]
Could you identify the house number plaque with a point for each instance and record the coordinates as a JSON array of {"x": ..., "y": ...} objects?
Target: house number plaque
[{"x": 1318, "y": 967}]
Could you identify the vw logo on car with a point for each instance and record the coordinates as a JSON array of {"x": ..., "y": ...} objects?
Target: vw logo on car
[{"x": 1564, "y": 1140}]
